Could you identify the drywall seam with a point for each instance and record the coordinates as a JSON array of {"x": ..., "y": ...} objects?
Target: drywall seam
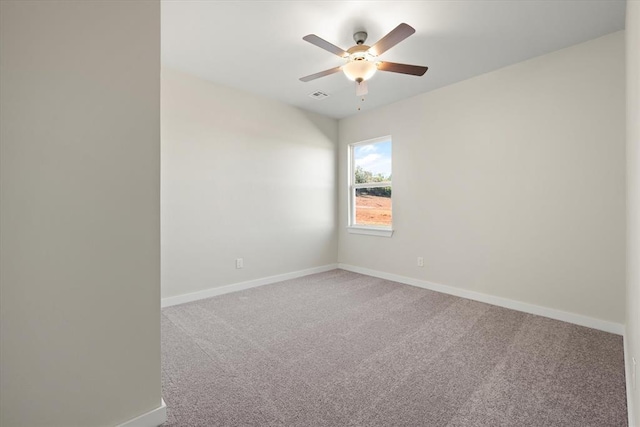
[{"x": 577, "y": 319}]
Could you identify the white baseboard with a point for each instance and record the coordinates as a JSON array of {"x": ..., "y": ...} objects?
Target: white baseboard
[
  {"x": 212, "y": 292},
  {"x": 590, "y": 322},
  {"x": 152, "y": 418},
  {"x": 577, "y": 319},
  {"x": 627, "y": 374}
]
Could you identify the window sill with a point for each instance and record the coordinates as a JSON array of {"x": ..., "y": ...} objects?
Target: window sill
[{"x": 371, "y": 231}]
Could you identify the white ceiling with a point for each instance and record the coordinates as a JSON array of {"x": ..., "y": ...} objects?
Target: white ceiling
[{"x": 257, "y": 46}]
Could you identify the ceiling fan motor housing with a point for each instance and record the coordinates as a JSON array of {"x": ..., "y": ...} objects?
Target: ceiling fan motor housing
[{"x": 360, "y": 65}]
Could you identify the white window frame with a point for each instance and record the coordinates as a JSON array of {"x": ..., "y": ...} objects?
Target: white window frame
[{"x": 352, "y": 227}]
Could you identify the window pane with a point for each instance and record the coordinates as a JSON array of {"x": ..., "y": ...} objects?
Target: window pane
[
  {"x": 373, "y": 206},
  {"x": 372, "y": 162}
]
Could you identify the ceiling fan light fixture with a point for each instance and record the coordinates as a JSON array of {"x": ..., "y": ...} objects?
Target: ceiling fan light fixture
[{"x": 359, "y": 70}]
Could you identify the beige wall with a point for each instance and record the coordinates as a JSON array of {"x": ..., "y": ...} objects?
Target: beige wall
[
  {"x": 80, "y": 212},
  {"x": 242, "y": 177},
  {"x": 632, "y": 335},
  {"x": 510, "y": 184}
]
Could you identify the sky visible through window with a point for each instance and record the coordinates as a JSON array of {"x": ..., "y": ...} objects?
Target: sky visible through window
[{"x": 375, "y": 158}]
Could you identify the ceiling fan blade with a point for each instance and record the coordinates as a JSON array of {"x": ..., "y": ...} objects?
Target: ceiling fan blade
[
  {"x": 396, "y": 35},
  {"x": 323, "y": 44},
  {"x": 414, "y": 70},
  {"x": 320, "y": 74}
]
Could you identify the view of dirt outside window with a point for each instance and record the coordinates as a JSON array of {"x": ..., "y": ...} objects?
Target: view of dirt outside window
[{"x": 372, "y": 209}]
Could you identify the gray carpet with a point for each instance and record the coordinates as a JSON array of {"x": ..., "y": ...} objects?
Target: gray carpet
[{"x": 343, "y": 349}]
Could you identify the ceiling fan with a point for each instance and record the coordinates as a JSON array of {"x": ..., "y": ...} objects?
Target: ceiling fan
[{"x": 362, "y": 60}]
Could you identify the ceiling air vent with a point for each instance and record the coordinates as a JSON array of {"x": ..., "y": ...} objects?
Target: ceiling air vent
[{"x": 318, "y": 95}]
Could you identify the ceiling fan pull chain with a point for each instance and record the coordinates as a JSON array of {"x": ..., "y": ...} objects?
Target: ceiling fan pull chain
[{"x": 362, "y": 100}]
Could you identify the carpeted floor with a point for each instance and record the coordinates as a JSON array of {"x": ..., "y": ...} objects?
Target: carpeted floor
[{"x": 343, "y": 349}]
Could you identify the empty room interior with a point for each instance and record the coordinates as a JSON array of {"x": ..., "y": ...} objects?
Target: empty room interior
[{"x": 265, "y": 213}]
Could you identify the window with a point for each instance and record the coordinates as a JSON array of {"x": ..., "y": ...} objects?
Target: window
[{"x": 370, "y": 187}]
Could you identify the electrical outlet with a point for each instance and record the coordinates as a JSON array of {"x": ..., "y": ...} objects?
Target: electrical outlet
[
  {"x": 239, "y": 263},
  {"x": 633, "y": 372},
  {"x": 420, "y": 261}
]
